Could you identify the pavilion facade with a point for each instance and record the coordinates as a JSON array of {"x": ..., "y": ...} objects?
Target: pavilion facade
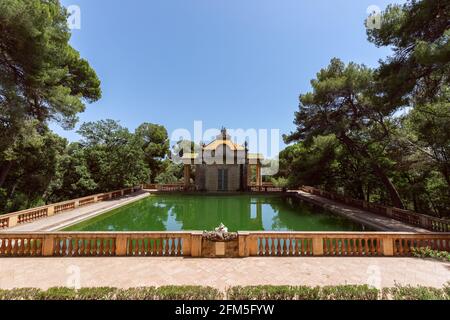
[{"x": 222, "y": 166}]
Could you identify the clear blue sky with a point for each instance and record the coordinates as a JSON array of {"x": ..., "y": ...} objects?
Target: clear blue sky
[{"x": 233, "y": 63}]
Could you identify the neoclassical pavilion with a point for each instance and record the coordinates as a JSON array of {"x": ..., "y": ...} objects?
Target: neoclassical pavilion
[{"x": 222, "y": 165}]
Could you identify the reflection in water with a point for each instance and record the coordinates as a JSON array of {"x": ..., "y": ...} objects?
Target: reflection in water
[{"x": 204, "y": 212}]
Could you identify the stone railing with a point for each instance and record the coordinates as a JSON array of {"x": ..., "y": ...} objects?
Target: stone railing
[
  {"x": 409, "y": 217},
  {"x": 176, "y": 187},
  {"x": 196, "y": 244},
  {"x": 266, "y": 188},
  {"x": 25, "y": 216},
  {"x": 173, "y": 187}
]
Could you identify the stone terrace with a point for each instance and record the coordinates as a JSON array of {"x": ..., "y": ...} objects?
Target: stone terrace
[{"x": 221, "y": 273}]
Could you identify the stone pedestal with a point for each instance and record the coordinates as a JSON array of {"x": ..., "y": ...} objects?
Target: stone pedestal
[{"x": 217, "y": 249}]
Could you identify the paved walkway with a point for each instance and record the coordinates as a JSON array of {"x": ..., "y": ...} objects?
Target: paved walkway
[
  {"x": 220, "y": 273},
  {"x": 64, "y": 219},
  {"x": 377, "y": 222}
]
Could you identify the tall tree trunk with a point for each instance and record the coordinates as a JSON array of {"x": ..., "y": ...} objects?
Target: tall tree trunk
[
  {"x": 4, "y": 170},
  {"x": 377, "y": 170}
]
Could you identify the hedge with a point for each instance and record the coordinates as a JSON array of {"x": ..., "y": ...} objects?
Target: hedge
[
  {"x": 107, "y": 293},
  {"x": 345, "y": 292}
]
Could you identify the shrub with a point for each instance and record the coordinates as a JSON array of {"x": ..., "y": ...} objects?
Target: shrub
[
  {"x": 414, "y": 293},
  {"x": 346, "y": 292},
  {"x": 170, "y": 293},
  {"x": 349, "y": 292},
  {"x": 303, "y": 293},
  {"x": 106, "y": 293},
  {"x": 20, "y": 294},
  {"x": 273, "y": 293},
  {"x": 427, "y": 252},
  {"x": 447, "y": 290},
  {"x": 101, "y": 293},
  {"x": 58, "y": 293}
]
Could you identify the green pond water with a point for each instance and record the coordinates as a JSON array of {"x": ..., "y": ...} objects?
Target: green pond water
[{"x": 204, "y": 212}]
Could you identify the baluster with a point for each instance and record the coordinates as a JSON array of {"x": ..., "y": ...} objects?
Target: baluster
[
  {"x": 64, "y": 247},
  {"x": 336, "y": 247},
  {"x": 33, "y": 248},
  {"x": 159, "y": 247},
  {"x": 88, "y": 247},
  {"x": 12, "y": 243},
  {"x": 107, "y": 247},
  {"x": 139, "y": 245},
  {"x": 344, "y": 247},
  {"x": 279, "y": 247},
  {"x": 152, "y": 244},
  {"x": 165, "y": 247},
  {"x": 400, "y": 247},
  {"x": 26, "y": 247},
  {"x": 272, "y": 247},
  {"x": 19, "y": 244},
  {"x": 130, "y": 247},
  {"x": 361, "y": 247},
  {"x": 291, "y": 248},
  {"x": 175, "y": 246},
  {"x": 101, "y": 247},
  {"x": 366, "y": 247},
  {"x": 75, "y": 247},
  {"x": 297, "y": 248},
  {"x": 146, "y": 246},
  {"x": 266, "y": 246}
]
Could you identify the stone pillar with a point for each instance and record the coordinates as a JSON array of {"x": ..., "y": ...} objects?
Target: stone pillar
[
  {"x": 317, "y": 246},
  {"x": 249, "y": 175},
  {"x": 196, "y": 244},
  {"x": 48, "y": 245},
  {"x": 243, "y": 244},
  {"x": 187, "y": 175},
  {"x": 388, "y": 247},
  {"x": 258, "y": 175},
  {"x": 121, "y": 245}
]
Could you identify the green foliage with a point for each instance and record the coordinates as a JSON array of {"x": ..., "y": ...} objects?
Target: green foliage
[
  {"x": 391, "y": 123},
  {"x": 280, "y": 182},
  {"x": 171, "y": 173},
  {"x": 414, "y": 293},
  {"x": 44, "y": 168},
  {"x": 155, "y": 145},
  {"x": 419, "y": 33},
  {"x": 344, "y": 292},
  {"x": 42, "y": 79},
  {"x": 349, "y": 292},
  {"x": 273, "y": 293},
  {"x": 342, "y": 103},
  {"x": 39, "y": 69},
  {"x": 114, "y": 156},
  {"x": 108, "y": 293},
  {"x": 427, "y": 252}
]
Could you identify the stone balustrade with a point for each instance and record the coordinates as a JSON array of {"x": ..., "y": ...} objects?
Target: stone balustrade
[
  {"x": 173, "y": 187},
  {"x": 194, "y": 244},
  {"x": 410, "y": 217},
  {"x": 25, "y": 216},
  {"x": 177, "y": 187}
]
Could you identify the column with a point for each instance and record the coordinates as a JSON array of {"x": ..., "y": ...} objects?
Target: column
[
  {"x": 258, "y": 174},
  {"x": 187, "y": 175}
]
